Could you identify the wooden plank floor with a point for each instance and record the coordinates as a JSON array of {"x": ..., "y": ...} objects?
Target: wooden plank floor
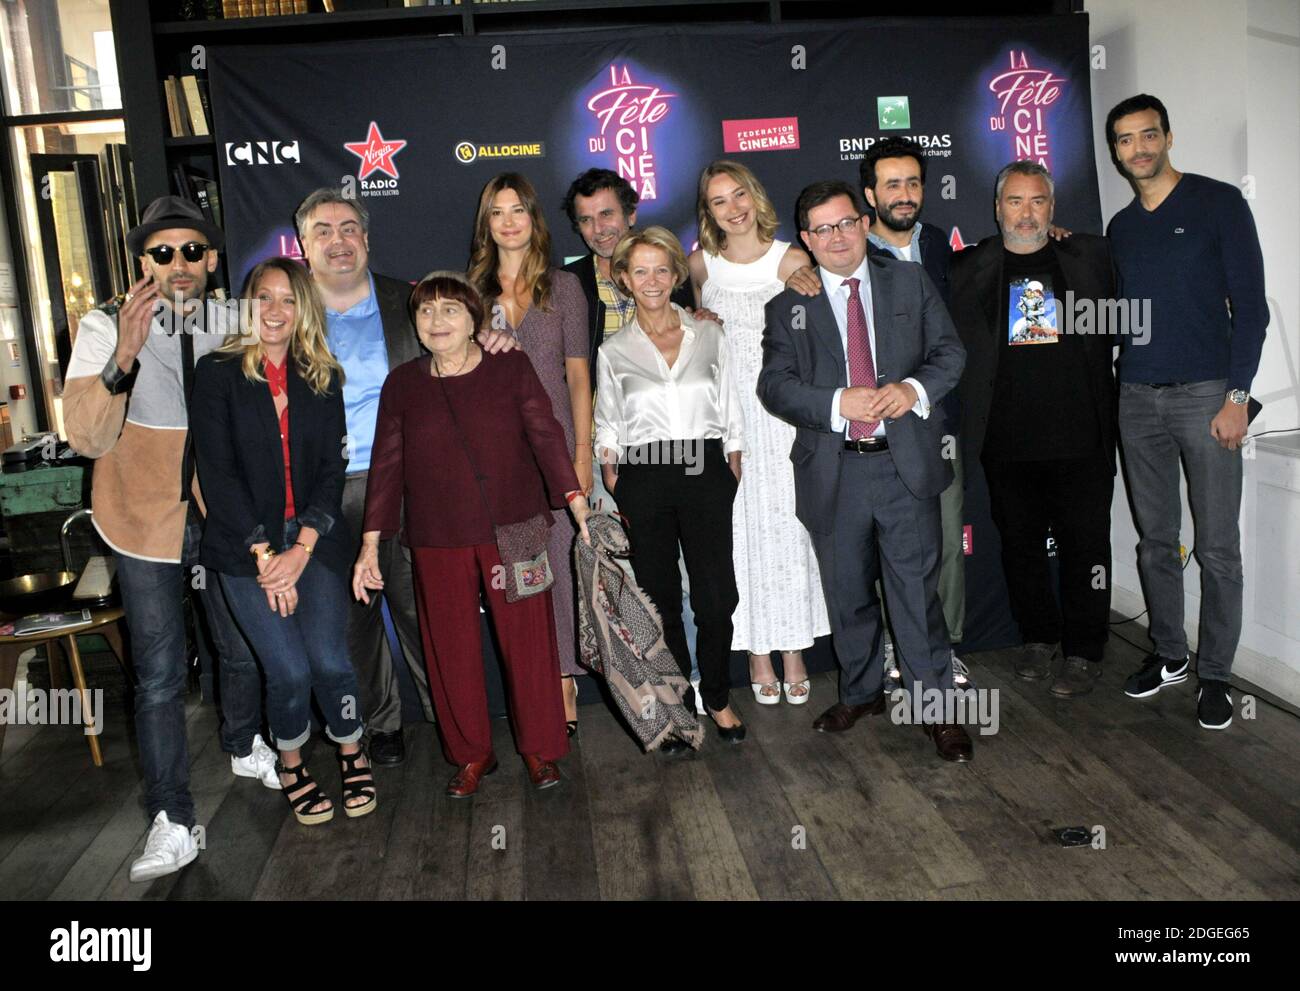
[{"x": 790, "y": 814}]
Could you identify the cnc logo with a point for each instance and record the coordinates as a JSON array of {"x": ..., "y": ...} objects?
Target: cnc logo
[
  {"x": 893, "y": 113},
  {"x": 762, "y": 134},
  {"x": 376, "y": 154},
  {"x": 467, "y": 152},
  {"x": 262, "y": 153}
]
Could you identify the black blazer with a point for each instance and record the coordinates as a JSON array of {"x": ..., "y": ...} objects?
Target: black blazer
[
  {"x": 585, "y": 269},
  {"x": 976, "y": 290},
  {"x": 400, "y": 338},
  {"x": 241, "y": 465}
]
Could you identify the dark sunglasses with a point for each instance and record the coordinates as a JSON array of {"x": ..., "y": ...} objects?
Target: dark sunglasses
[{"x": 191, "y": 251}]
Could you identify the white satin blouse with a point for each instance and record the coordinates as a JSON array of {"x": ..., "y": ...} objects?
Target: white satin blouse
[{"x": 640, "y": 400}]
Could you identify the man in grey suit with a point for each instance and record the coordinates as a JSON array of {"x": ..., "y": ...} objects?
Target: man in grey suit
[{"x": 859, "y": 370}]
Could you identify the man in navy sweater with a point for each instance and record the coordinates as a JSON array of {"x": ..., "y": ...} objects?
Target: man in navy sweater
[{"x": 1188, "y": 245}]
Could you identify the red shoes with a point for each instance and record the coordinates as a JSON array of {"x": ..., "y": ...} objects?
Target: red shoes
[
  {"x": 465, "y": 781},
  {"x": 542, "y": 773}
]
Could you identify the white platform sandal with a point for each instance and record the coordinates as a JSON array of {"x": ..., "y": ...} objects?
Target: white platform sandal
[
  {"x": 806, "y": 685},
  {"x": 761, "y": 697}
]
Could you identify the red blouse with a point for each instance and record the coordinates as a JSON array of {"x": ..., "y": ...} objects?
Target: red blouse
[{"x": 277, "y": 380}]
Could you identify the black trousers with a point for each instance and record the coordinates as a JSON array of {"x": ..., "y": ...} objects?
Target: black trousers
[
  {"x": 381, "y": 698},
  {"x": 680, "y": 493},
  {"x": 1071, "y": 497}
]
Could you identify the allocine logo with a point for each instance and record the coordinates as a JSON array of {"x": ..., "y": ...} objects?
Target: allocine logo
[
  {"x": 893, "y": 113},
  {"x": 760, "y": 134},
  {"x": 467, "y": 152}
]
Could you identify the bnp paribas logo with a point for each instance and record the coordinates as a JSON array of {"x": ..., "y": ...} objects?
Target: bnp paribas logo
[{"x": 893, "y": 113}]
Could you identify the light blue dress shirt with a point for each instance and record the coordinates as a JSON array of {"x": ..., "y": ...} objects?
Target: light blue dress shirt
[
  {"x": 837, "y": 292},
  {"x": 356, "y": 338}
]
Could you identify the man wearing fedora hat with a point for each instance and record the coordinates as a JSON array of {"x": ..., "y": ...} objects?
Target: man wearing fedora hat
[{"x": 125, "y": 405}]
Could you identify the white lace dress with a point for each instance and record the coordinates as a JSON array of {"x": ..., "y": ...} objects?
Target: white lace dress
[{"x": 781, "y": 602}]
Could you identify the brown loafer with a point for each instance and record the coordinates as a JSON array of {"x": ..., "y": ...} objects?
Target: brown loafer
[
  {"x": 840, "y": 717},
  {"x": 465, "y": 781},
  {"x": 951, "y": 741},
  {"x": 542, "y": 773}
]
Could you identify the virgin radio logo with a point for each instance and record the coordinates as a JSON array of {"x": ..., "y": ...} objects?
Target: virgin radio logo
[
  {"x": 1024, "y": 93},
  {"x": 627, "y": 112},
  {"x": 376, "y": 153}
]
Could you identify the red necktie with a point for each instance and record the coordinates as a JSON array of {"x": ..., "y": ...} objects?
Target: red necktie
[{"x": 862, "y": 370}]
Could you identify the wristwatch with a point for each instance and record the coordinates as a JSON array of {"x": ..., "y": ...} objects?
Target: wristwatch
[{"x": 1238, "y": 396}]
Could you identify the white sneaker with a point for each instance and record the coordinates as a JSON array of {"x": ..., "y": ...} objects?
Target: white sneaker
[
  {"x": 260, "y": 763},
  {"x": 961, "y": 679},
  {"x": 893, "y": 676},
  {"x": 168, "y": 848}
]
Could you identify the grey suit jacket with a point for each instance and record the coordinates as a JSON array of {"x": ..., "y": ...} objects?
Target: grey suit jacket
[{"x": 804, "y": 363}]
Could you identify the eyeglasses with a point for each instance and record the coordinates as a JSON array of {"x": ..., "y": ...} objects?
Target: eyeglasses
[
  {"x": 845, "y": 227},
  {"x": 191, "y": 251}
]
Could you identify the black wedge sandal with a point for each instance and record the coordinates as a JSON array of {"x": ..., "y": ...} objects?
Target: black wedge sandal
[
  {"x": 358, "y": 782},
  {"x": 308, "y": 799}
]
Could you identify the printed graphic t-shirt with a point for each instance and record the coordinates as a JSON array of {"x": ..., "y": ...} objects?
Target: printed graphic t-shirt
[{"x": 1042, "y": 407}]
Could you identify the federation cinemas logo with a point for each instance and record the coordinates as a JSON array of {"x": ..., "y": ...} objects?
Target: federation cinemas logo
[
  {"x": 628, "y": 113},
  {"x": 376, "y": 154},
  {"x": 760, "y": 134},
  {"x": 262, "y": 153},
  {"x": 467, "y": 152},
  {"x": 1023, "y": 93}
]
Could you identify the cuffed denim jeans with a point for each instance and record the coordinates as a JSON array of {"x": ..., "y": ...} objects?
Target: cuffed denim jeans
[
  {"x": 303, "y": 654},
  {"x": 153, "y": 596},
  {"x": 1159, "y": 427}
]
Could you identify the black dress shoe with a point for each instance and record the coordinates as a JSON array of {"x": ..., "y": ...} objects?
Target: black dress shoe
[
  {"x": 841, "y": 717},
  {"x": 731, "y": 734},
  {"x": 674, "y": 746},
  {"x": 387, "y": 749}
]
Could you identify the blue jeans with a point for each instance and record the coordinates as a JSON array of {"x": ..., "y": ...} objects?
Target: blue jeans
[
  {"x": 1159, "y": 427},
  {"x": 153, "y": 599},
  {"x": 303, "y": 654}
]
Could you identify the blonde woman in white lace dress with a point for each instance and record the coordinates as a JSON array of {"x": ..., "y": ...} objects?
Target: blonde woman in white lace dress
[{"x": 737, "y": 268}]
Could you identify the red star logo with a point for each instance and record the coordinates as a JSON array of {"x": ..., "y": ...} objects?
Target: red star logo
[{"x": 375, "y": 153}]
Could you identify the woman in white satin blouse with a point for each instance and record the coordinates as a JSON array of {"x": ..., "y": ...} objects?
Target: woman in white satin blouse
[{"x": 669, "y": 438}]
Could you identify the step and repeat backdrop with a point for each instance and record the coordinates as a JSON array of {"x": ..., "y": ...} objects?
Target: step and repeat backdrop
[{"x": 415, "y": 128}]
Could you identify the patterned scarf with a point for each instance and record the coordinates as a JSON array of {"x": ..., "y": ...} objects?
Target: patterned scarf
[{"x": 621, "y": 638}]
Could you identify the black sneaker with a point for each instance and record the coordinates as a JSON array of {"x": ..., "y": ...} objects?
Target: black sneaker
[
  {"x": 1213, "y": 704},
  {"x": 1156, "y": 673}
]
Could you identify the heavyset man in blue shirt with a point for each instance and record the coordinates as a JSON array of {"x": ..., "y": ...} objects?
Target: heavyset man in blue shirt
[{"x": 1188, "y": 245}]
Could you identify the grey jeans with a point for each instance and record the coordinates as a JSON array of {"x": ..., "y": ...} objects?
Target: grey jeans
[{"x": 1159, "y": 426}]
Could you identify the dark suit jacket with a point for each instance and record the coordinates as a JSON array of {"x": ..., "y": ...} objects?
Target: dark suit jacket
[
  {"x": 977, "y": 288},
  {"x": 585, "y": 270},
  {"x": 804, "y": 363},
  {"x": 392, "y": 296},
  {"x": 241, "y": 465},
  {"x": 936, "y": 257}
]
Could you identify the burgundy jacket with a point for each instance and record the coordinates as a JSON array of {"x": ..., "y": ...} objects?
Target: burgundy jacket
[{"x": 504, "y": 416}]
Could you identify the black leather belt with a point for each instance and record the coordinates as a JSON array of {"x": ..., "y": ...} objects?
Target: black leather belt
[
  {"x": 1164, "y": 385},
  {"x": 867, "y": 445}
]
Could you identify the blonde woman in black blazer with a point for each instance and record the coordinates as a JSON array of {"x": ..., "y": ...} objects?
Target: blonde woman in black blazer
[{"x": 270, "y": 438}]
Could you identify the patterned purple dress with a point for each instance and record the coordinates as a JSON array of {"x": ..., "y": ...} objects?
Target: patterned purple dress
[{"x": 548, "y": 338}]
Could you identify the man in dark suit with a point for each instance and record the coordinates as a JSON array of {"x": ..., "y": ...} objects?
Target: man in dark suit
[
  {"x": 857, "y": 369},
  {"x": 601, "y": 206},
  {"x": 370, "y": 333},
  {"x": 1038, "y": 403}
]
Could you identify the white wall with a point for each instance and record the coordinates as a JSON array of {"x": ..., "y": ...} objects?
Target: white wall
[{"x": 1229, "y": 73}]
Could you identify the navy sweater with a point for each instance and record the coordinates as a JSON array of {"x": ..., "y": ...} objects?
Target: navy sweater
[{"x": 1193, "y": 256}]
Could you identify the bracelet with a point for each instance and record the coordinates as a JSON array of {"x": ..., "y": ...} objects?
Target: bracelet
[
  {"x": 570, "y": 496},
  {"x": 299, "y": 543}
]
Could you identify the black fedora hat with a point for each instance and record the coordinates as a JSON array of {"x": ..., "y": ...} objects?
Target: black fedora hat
[{"x": 170, "y": 213}]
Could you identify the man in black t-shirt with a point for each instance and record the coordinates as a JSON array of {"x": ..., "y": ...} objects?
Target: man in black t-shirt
[{"x": 1038, "y": 410}]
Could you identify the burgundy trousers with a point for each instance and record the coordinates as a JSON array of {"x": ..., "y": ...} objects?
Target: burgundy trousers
[{"x": 447, "y": 584}]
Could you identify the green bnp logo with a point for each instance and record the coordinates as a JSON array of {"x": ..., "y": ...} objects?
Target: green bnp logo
[{"x": 893, "y": 113}]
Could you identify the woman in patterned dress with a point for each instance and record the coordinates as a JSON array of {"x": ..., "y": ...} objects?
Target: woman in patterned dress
[
  {"x": 545, "y": 309},
  {"x": 737, "y": 268}
]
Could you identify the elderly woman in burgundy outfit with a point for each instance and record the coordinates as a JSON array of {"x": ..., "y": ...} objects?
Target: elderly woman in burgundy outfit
[{"x": 443, "y": 419}]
